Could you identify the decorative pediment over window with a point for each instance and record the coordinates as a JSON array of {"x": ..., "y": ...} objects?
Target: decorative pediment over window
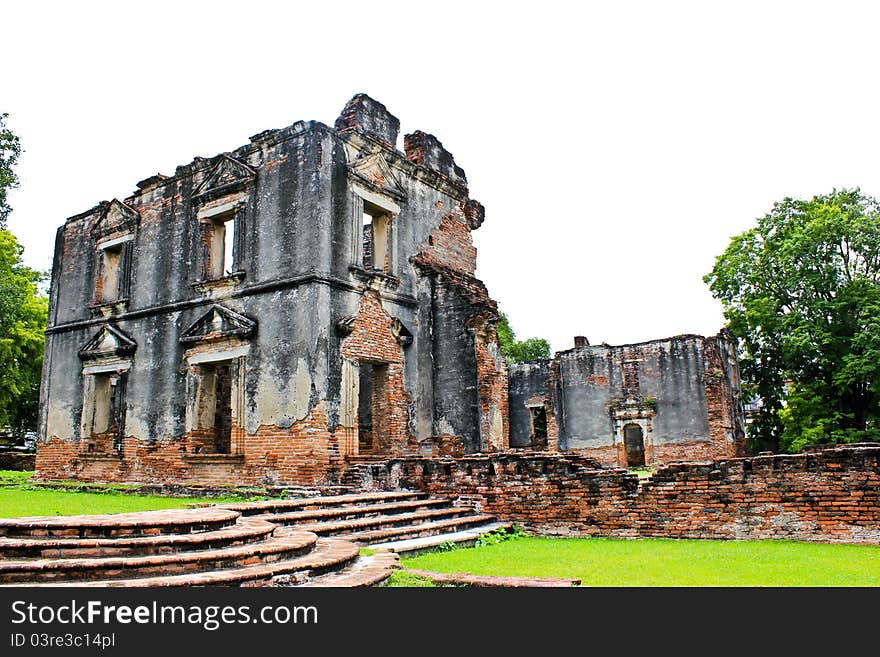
[
  {"x": 115, "y": 217},
  {"x": 228, "y": 175},
  {"x": 108, "y": 342},
  {"x": 218, "y": 323},
  {"x": 376, "y": 173}
]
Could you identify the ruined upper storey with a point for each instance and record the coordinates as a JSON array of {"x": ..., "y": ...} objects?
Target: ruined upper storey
[{"x": 341, "y": 205}]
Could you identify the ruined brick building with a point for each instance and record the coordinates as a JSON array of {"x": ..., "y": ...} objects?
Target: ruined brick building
[
  {"x": 632, "y": 405},
  {"x": 308, "y": 301}
]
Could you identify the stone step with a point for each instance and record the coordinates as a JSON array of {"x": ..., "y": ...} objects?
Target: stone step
[
  {"x": 467, "y": 579},
  {"x": 329, "y": 554},
  {"x": 245, "y": 531},
  {"x": 413, "y": 546},
  {"x": 359, "y": 511},
  {"x": 419, "y": 530},
  {"x": 284, "y": 544},
  {"x": 143, "y": 523},
  {"x": 366, "y": 571},
  {"x": 337, "y": 527},
  {"x": 280, "y": 506}
]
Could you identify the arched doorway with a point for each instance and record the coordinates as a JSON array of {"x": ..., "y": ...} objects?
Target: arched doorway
[{"x": 634, "y": 442}]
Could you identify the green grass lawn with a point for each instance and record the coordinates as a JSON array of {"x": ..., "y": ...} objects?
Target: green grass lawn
[
  {"x": 595, "y": 561},
  {"x": 665, "y": 562},
  {"x": 18, "y": 498}
]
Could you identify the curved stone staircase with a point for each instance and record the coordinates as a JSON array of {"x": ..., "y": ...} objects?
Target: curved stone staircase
[
  {"x": 299, "y": 542},
  {"x": 370, "y": 518}
]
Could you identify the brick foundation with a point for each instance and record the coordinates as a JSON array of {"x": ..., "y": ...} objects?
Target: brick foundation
[
  {"x": 307, "y": 454},
  {"x": 833, "y": 495}
]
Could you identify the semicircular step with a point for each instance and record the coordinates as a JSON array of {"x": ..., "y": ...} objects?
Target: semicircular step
[
  {"x": 284, "y": 544},
  {"x": 246, "y": 530},
  {"x": 141, "y": 523}
]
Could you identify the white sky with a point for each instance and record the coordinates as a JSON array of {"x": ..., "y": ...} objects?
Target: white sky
[{"x": 616, "y": 146}]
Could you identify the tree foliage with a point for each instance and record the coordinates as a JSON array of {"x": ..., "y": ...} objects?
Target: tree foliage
[
  {"x": 519, "y": 351},
  {"x": 10, "y": 149},
  {"x": 802, "y": 292},
  {"x": 23, "y": 313}
]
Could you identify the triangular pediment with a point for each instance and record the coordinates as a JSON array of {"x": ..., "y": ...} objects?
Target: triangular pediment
[
  {"x": 227, "y": 175},
  {"x": 115, "y": 216},
  {"x": 219, "y": 322},
  {"x": 376, "y": 171},
  {"x": 107, "y": 342}
]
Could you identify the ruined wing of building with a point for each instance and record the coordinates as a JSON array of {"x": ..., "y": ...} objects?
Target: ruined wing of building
[
  {"x": 306, "y": 302},
  {"x": 633, "y": 405}
]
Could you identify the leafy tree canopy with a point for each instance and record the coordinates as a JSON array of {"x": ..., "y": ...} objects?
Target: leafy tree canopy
[
  {"x": 519, "y": 351},
  {"x": 10, "y": 149},
  {"x": 23, "y": 312},
  {"x": 802, "y": 292}
]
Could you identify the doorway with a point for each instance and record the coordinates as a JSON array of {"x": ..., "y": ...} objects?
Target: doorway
[
  {"x": 223, "y": 409},
  {"x": 372, "y": 406},
  {"x": 634, "y": 442},
  {"x": 539, "y": 426}
]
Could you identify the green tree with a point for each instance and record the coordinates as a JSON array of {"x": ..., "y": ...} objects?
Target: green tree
[
  {"x": 10, "y": 149},
  {"x": 802, "y": 292},
  {"x": 519, "y": 351},
  {"x": 23, "y": 312}
]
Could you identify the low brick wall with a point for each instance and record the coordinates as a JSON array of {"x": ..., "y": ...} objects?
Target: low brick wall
[
  {"x": 17, "y": 460},
  {"x": 832, "y": 495}
]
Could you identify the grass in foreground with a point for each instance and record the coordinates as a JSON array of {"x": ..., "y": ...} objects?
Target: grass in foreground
[
  {"x": 400, "y": 579},
  {"x": 18, "y": 498},
  {"x": 15, "y": 477},
  {"x": 666, "y": 562}
]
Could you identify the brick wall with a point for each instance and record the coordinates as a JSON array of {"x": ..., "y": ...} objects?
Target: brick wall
[
  {"x": 451, "y": 245},
  {"x": 372, "y": 340},
  {"x": 306, "y": 453},
  {"x": 833, "y": 495},
  {"x": 16, "y": 461},
  {"x": 492, "y": 383},
  {"x": 695, "y": 450}
]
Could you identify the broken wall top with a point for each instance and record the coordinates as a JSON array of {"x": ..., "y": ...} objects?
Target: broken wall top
[
  {"x": 370, "y": 117},
  {"x": 424, "y": 156}
]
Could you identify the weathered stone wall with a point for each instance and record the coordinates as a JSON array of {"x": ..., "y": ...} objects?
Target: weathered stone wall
[
  {"x": 528, "y": 383},
  {"x": 683, "y": 392},
  {"x": 832, "y": 495},
  {"x": 470, "y": 389},
  {"x": 298, "y": 195}
]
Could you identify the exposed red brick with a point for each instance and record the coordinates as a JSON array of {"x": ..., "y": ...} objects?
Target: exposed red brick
[
  {"x": 372, "y": 340},
  {"x": 306, "y": 453},
  {"x": 451, "y": 245},
  {"x": 833, "y": 495}
]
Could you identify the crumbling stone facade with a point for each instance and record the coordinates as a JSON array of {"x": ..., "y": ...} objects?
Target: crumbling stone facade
[
  {"x": 633, "y": 405},
  {"x": 271, "y": 313}
]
